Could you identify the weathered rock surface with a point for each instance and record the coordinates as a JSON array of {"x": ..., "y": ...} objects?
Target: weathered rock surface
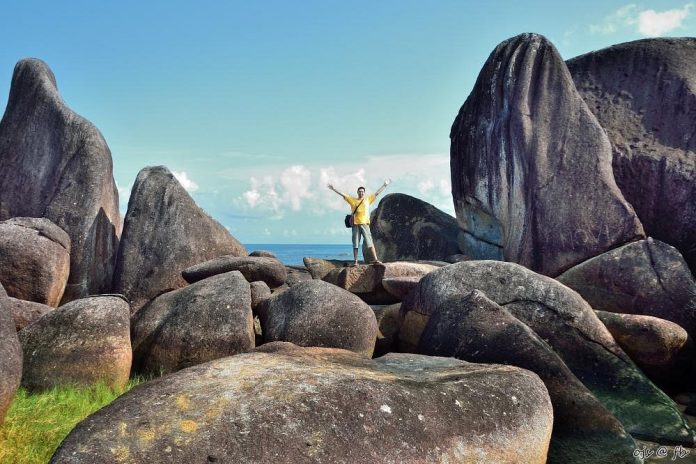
[
  {"x": 56, "y": 164},
  {"x": 260, "y": 291},
  {"x": 400, "y": 286},
  {"x": 318, "y": 268},
  {"x": 646, "y": 277},
  {"x": 531, "y": 166},
  {"x": 644, "y": 95},
  {"x": 268, "y": 270},
  {"x": 10, "y": 357},
  {"x": 406, "y": 228},
  {"x": 207, "y": 320},
  {"x": 317, "y": 313},
  {"x": 164, "y": 233},
  {"x": 79, "y": 343},
  {"x": 263, "y": 254},
  {"x": 476, "y": 329},
  {"x": 388, "y": 324},
  {"x": 290, "y": 405},
  {"x": 662, "y": 349},
  {"x": 35, "y": 259},
  {"x": 25, "y": 312},
  {"x": 297, "y": 274},
  {"x": 569, "y": 325}
]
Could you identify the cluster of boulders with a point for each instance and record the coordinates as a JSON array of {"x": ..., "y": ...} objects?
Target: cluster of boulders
[{"x": 552, "y": 320}]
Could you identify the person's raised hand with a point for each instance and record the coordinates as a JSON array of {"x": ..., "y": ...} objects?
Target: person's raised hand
[
  {"x": 330, "y": 186},
  {"x": 387, "y": 182}
]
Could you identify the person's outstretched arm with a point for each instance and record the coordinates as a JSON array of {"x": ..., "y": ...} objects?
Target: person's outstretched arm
[
  {"x": 384, "y": 185},
  {"x": 331, "y": 187}
]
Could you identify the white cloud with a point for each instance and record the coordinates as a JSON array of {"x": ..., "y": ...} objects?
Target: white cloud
[
  {"x": 295, "y": 182},
  {"x": 425, "y": 186},
  {"x": 649, "y": 23},
  {"x": 123, "y": 197},
  {"x": 652, "y": 23},
  {"x": 624, "y": 16},
  {"x": 183, "y": 178}
]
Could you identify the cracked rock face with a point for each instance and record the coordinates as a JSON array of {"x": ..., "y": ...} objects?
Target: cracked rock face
[
  {"x": 531, "y": 166},
  {"x": 34, "y": 259},
  {"x": 56, "y": 164},
  {"x": 569, "y": 325},
  {"x": 285, "y": 404},
  {"x": 644, "y": 95},
  {"x": 164, "y": 233}
]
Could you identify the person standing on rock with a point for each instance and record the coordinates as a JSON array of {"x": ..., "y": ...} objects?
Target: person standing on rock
[{"x": 360, "y": 207}]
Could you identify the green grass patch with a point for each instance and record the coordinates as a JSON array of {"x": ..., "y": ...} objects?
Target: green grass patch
[{"x": 37, "y": 423}]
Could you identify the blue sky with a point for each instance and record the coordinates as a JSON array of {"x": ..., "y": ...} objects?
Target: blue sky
[{"x": 257, "y": 105}]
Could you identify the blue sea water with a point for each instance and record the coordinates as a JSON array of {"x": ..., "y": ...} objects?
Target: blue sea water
[{"x": 292, "y": 254}]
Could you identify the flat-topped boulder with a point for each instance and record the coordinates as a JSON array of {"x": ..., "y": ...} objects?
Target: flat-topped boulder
[
  {"x": 10, "y": 357},
  {"x": 407, "y": 228},
  {"x": 80, "y": 343},
  {"x": 56, "y": 164},
  {"x": 206, "y": 320},
  {"x": 35, "y": 259},
  {"x": 164, "y": 233},
  {"x": 474, "y": 328},
  {"x": 317, "y": 313},
  {"x": 253, "y": 268},
  {"x": 565, "y": 321},
  {"x": 284, "y": 404},
  {"x": 531, "y": 165},
  {"x": 644, "y": 95}
]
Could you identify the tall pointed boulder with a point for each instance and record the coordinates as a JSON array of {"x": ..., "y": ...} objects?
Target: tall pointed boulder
[
  {"x": 531, "y": 166},
  {"x": 56, "y": 164}
]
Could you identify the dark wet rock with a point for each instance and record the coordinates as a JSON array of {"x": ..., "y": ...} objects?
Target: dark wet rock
[
  {"x": 79, "y": 343},
  {"x": 56, "y": 164},
  {"x": 388, "y": 323},
  {"x": 25, "y": 312},
  {"x": 662, "y": 349},
  {"x": 297, "y": 274},
  {"x": 35, "y": 259},
  {"x": 260, "y": 291},
  {"x": 400, "y": 286},
  {"x": 476, "y": 329},
  {"x": 164, "y": 233},
  {"x": 10, "y": 357},
  {"x": 531, "y": 166},
  {"x": 283, "y": 404},
  {"x": 569, "y": 325},
  {"x": 206, "y": 320},
  {"x": 316, "y": 313},
  {"x": 406, "y": 228},
  {"x": 269, "y": 270},
  {"x": 644, "y": 95},
  {"x": 646, "y": 277}
]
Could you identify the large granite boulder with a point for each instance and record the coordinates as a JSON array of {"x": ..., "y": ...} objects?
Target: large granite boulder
[
  {"x": 165, "y": 232},
  {"x": 662, "y": 349},
  {"x": 192, "y": 325},
  {"x": 317, "y": 313},
  {"x": 644, "y": 95},
  {"x": 253, "y": 268},
  {"x": 10, "y": 357},
  {"x": 297, "y": 274},
  {"x": 290, "y": 405},
  {"x": 80, "y": 343},
  {"x": 35, "y": 259},
  {"x": 646, "y": 277},
  {"x": 570, "y": 327},
  {"x": 406, "y": 228},
  {"x": 318, "y": 267},
  {"x": 476, "y": 329},
  {"x": 56, "y": 164},
  {"x": 25, "y": 312},
  {"x": 531, "y": 166},
  {"x": 366, "y": 278}
]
